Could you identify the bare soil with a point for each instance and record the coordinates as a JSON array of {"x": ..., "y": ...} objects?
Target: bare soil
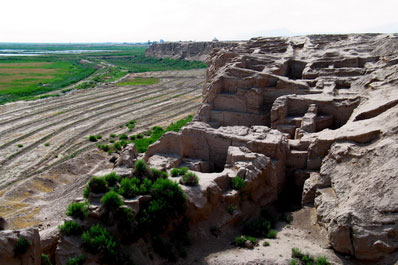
[{"x": 37, "y": 182}]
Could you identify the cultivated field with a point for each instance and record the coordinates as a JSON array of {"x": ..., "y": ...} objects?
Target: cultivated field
[{"x": 45, "y": 154}]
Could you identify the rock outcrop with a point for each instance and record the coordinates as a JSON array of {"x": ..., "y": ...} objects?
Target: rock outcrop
[
  {"x": 28, "y": 253},
  {"x": 322, "y": 111},
  {"x": 191, "y": 51}
]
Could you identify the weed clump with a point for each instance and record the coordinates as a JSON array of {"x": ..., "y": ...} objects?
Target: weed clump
[
  {"x": 45, "y": 260},
  {"x": 128, "y": 187},
  {"x": 79, "y": 260},
  {"x": 77, "y": 210},
  {"x": 98, "y": 240},
  {"x": 123, "y": 137},
  {"x": 111, "y": 200},
  {"x": 92, "y": 138},
  {"x": 241, "y": 241},
  {"x": 112, "y": 179},
  {"x": 259, "y": 227},
  {"x": 189, "y": 179},
  {"x": 175, "y": 172},
  {"x": 238, "y": 183},
  {"x": 306, "y": 259},
  {"x": 97, "y": 185},
  {"x": 70, "y": 228},
  {"x": 156, "y": 173},
  {"x": 21, "y": 247}
]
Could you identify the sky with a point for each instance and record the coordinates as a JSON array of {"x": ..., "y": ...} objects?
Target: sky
[{"x": 197, "y": 20}]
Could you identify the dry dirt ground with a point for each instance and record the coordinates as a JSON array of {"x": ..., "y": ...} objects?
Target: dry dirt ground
[{"x": 39, "y": 179}]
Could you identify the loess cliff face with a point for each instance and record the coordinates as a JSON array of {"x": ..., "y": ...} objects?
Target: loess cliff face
[
  {"x": 315, "y": 114},
  {"x": 191, "y": 51}
]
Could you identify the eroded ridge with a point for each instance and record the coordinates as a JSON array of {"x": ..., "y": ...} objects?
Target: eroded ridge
[{"x": 317, "y": 107}]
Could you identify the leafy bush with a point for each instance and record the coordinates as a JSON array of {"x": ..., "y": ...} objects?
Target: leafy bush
[
  {"x": 156, "y": 173},
  {"x": 266, "y": 244},
  {"x": 77, "y": 210},
  {"x": 112, "y": 179},
  {"x": 175, "y": 172},
  {"x": 240, "y": 241},
  {"x": 238, "y": 183},
  {"x": 128, "y": 187},
  {"x": 271, "y": 234},
  {"x": 21, "y": 247},
  {"x": 260, "y": 227},
  {"x": 99, "y": 137},
  {"x": 86, "y": 192},
  {"x": 20, "y": 145},
  {"x": 97, "y": 185},
  {"x": 117, "y": 146},
  {"x": 111, "y": 200},
  {"x": 79, "y": 260},
  {"x": 70, "y": 228},
  {"x": 146, "y": 186},
  {"x": 132, "y": 137},
  {"x": 112, "y": 135},
  {"x": 123, "y": 137},
  {"x": 92, "y": 138},
  {"x": 307, "y": 259},
  {"x": 98, "y": 240},
  {"x": 189, "y": 179},
  {"x": 168, "y": 201},
  {"x": 45, "y": 260},
  {"x": 140, "y": 168},
  {"x": 47, "y": 144},
  {"x": 126, "y": 225}
]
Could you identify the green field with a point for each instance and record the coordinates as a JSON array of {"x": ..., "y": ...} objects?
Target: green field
[{"x": 29, "y": 77}]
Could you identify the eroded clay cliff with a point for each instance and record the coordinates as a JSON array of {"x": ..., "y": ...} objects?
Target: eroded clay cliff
[
  {"x": 191, "y": 51},
  {"x": 323, "y": 111}
]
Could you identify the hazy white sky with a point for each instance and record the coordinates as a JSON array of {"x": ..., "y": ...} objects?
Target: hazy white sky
[{"x": 136, "y": 21}]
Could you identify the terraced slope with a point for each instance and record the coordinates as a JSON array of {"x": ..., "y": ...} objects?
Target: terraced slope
[{"x": 44, "y": 145}]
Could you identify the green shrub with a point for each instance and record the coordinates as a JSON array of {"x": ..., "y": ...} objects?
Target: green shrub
[
  {"x": 322, "y": 261},
  {"x": 266, "y": 244},
  {"x": 112, "y": 141},
  {"x": 92, "y": 138},
  {"x": 139, "y": 136},
  {"x": 146, "y": 186},
  {"x": 104, "y": 147},
  {"x": 123, "y": 137},
  {"x": 99, "y": 137},
  {"x": 112, "y": 135},
  {"x": 20, "y": 145},
  {"x": 112, "y": 179},
  {"x": 86, "y": 192},
  {"x": 117, "y": 146},
  {"x": 132, "y": 137},
  {"x": 175, "y": 172},
  {"x": 98, "y": 240},
  {"x": 111, "y": 200},
  {"x": 79, "y": 260},
  {"x": 156, "y": 173},
  {"x": 294, "y": 262},
  {"x": 128, "y": 187},
  {"x": 123, "y": 143},
  {"x": 189, "y": 179},
  {"x": 97, "y": 185},
  {"x": 296, "y": 253},
  {"x": 271, "y": 234},
  {"x": 168, "y": 201},
  {"x": 238, "y": 183},
  {"x": 70, "y": 228},
  {"x": 307, "y": 259},
  {"x": 240, "y": 241},
  {"x": 77, "y": 210},
  {"x": 140, "y": 168},
  {"x": 126, "y": 225},
  {"x": 259, "y": 227},
  {"x": 21, "y": 247},
  {"x": 45, "y": 260},
  {"x": 47, "y": 144}
]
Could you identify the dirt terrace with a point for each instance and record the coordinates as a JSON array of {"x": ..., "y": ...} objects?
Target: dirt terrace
[{"x": 38, "y": 181}]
